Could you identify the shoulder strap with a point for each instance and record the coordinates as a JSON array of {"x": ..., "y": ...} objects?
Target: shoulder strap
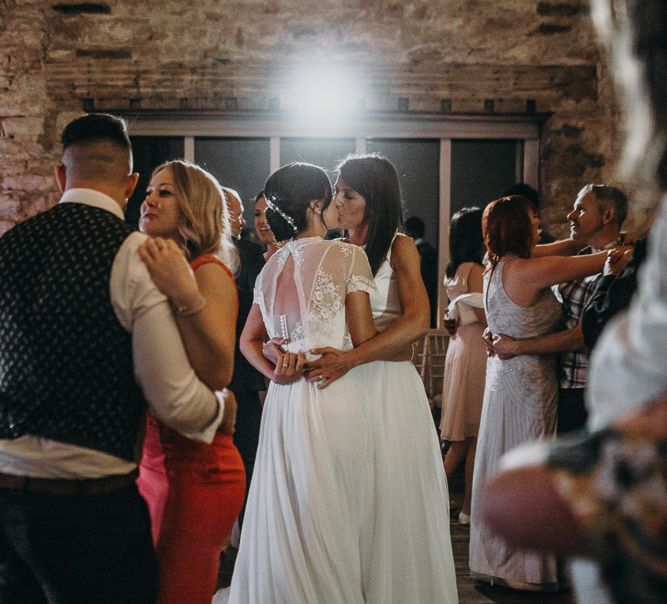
[{"x": 210, "y": 259}]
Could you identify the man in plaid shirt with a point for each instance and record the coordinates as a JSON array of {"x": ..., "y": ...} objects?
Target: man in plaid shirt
[{"x": 596, "y": 218}]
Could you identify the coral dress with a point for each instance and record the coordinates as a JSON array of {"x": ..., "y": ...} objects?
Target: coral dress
[
  {"x": 194, "y": 493},
  {"x": 465, "y": 369}
]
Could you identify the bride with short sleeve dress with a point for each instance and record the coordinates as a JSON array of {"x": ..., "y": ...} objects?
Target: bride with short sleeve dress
[{"x": 309, "y": 518}]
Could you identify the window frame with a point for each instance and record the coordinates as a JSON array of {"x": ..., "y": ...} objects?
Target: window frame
[{"x": 443, "y": 127}]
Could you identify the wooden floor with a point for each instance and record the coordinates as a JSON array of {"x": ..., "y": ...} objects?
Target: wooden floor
[{"x": 471, "y": 592}]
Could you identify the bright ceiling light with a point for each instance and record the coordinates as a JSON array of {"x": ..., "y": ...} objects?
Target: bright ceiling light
[{"x": 323, "y": 95}]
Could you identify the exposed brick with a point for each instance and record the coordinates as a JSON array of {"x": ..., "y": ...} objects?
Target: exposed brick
[
  {"x": 549, "y": 29},
  {"x": 59, "y": 58}
]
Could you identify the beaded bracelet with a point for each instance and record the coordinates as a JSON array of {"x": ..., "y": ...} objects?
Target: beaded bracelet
[{"x": 184, "y": 311}]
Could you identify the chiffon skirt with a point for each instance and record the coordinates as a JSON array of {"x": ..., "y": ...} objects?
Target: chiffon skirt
[
  {"x": 463, "y": 387},
  {"x": 348, "y": 502}
]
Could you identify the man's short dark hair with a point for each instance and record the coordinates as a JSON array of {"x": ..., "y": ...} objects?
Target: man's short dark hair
[
  {"x": 415, "y": 226},
  {"x": 96, "y": 127}
]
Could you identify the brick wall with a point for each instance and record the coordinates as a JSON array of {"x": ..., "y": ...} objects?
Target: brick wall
[{"x": 60, "y": 57}]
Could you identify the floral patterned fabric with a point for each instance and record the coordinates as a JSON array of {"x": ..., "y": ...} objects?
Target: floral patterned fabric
[{"x": 616, "y": 484}]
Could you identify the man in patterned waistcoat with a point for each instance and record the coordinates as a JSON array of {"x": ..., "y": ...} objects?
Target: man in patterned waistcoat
[{"x": 87, "y": 344}]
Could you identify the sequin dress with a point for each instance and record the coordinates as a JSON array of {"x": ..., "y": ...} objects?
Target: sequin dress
[{"x": 519, "y": 405}]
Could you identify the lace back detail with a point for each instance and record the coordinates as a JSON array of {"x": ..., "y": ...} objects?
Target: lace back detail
[{"x": 302, "y": 290}]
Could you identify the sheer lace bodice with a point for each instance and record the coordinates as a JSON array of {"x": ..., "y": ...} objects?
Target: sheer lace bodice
[{"x": 302, "y": 289}]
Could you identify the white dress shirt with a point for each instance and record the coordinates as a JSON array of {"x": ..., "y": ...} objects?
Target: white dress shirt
[{"x": 171, "y": 388}]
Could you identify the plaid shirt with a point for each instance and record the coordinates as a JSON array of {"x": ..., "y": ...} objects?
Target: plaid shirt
[{"x": 573, "y": 295}]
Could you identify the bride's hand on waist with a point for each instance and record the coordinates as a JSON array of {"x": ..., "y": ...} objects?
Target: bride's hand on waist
[
  {"x": 271, "y": 349},
  {"x": 289, "y": 367},
  {"x": 332, "y": 365}
]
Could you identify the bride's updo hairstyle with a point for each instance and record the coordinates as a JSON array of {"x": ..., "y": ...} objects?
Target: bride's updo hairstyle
[
  {"x": 288, "y": 192},
  {"x": 374, "y": 178},
  {"x": 507, "y": 228}
]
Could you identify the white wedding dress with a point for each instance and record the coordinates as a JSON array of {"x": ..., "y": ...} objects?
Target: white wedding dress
[
  {"x": 412, "y": 551},
  {"x": 348, "y": 503}
]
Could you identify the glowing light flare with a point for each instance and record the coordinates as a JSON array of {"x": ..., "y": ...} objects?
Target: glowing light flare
[{"x": 323, "y": 95}]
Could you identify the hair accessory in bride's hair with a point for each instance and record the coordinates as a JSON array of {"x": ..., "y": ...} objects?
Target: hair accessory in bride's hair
[{"x": 271, "y": 201}]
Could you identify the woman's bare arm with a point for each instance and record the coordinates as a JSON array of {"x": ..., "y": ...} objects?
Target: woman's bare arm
[
  {"x": 414, "y": 320},
  {"x": 209, "y": 335},
  {"x": 525, "y": 278},
  {"x": 359, "y": 317}
]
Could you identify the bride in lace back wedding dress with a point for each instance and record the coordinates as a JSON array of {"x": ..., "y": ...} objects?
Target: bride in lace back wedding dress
[{"x": 309, "y": 526}]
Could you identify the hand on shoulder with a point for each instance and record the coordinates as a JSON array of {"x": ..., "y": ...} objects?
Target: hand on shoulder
[{"x": 170, "y": 271}]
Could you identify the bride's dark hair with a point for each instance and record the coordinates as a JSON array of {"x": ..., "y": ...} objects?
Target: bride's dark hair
[{"x": 288, "y": 191}]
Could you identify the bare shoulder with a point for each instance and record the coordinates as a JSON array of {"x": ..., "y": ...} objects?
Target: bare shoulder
[
  {"x": 213, "y": 274},
  {"x": 404, "y": 251}
]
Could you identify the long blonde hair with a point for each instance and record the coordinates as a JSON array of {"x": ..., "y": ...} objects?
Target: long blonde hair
[{"x": 205, "y": 226}]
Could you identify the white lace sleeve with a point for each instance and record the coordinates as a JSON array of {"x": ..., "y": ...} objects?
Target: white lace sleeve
[{"x": 360, "y": 277}]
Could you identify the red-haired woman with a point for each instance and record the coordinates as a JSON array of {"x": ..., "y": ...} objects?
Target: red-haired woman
[{"x": 521, "y": 392}]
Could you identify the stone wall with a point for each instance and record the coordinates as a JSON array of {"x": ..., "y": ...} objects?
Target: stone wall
[{"x": 61, "y": 57}]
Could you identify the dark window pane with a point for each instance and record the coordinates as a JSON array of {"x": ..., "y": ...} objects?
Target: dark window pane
[
  {"x": 482, "y": 170},
  {"x": 149, "y": 152},
  {"x": 418, "y": 165},
  {"x": 324, "y": 152},
  {"x": 242, "y": 164}
]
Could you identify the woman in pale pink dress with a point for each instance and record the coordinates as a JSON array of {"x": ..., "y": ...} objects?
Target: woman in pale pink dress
[{"x": 465, "y": 365}]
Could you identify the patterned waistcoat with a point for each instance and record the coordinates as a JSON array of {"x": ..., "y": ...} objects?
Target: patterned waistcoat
[{"x": 66, "y": 369}]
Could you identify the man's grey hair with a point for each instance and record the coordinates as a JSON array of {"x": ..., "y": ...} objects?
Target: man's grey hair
[{"x": 609, "y": 197}]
